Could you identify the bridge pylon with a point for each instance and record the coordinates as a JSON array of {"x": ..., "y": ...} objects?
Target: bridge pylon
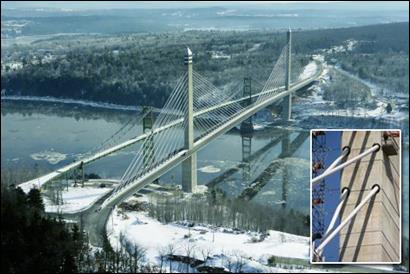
[
  {"x": 287, "y": 101},
  {"x": 189, "y": 175}
]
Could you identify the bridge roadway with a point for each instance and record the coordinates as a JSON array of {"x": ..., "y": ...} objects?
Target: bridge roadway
[
  {"x": 94, "y": 218},
  {"x": 184, "y": 154},
  {"x": 40, "y": 181},
  {"x": 94, "y": 221}
]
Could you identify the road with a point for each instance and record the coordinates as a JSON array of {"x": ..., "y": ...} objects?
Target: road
[{"x": 92, "y": 221}]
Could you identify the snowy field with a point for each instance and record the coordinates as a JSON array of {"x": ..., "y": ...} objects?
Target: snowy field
[
  {"x": 222, "y": 247},
  {"x": 308, "y": 71},
  {"x": 76, "y": 199},
  {"x": 320, "y": 107}
]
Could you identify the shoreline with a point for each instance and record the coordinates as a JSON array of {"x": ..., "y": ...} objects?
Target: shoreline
[{"x": 87, "y": 103}]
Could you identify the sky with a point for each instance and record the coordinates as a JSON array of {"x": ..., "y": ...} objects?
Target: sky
[{"x": 190, "y": 4}]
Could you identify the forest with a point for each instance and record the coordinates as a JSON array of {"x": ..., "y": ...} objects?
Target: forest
[
  {"x": 32, "y": 242},
  {"x": 214, "y": 208},
  {"x": 347, "y": 92},
  {"x": 142, "y": 69}
]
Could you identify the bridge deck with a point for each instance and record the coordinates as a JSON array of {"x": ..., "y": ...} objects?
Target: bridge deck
[
  {"x": 184, "y": 154},
  {"x": 40, "y": 181}
]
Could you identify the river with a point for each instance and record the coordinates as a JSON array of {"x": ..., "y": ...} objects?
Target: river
[{"x": 45, "y": 136}]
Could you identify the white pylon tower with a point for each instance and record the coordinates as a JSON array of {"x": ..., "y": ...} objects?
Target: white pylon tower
[{"x": 189, "y": 176}]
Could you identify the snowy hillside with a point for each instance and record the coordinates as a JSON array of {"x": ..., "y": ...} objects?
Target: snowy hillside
[
  {"x": 233, "y": 250},
  {"x": 76, "y": 199}
]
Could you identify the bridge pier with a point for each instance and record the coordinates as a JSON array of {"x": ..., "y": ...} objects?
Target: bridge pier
[
  {"x": 189, "y": 175},
  {"x": 287, "y": 107},
  {"x": 287, "y": 101}
]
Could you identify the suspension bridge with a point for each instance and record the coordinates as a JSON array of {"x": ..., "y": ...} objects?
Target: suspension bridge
[{"x": 195, "y": 114}]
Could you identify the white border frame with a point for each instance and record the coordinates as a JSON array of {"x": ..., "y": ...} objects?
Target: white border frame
[{"x": 400, "y": 209}]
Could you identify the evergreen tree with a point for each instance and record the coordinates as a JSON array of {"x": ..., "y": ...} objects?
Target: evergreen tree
[
  {"x": 34, "y": 199},
  {"x": 30, "y": 241}
]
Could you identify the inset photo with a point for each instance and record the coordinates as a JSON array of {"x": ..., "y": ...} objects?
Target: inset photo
[{"x": 356, "y": 196}]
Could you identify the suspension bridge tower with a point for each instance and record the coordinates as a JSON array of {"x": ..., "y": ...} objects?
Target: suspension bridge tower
[
  {"x": 247, "y": 132},
  {"x": 189, "y": 176}
]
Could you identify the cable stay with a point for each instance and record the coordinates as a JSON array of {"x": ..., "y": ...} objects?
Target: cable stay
[
  {"x": 207, "y": 117},
  {"x": 376, "y": 147},
  {"x": 345, "y": 195},
  {"x": 330, "y": 235},
  {"x": 345, "y": 153},
  {"x": 214, "y": 110}
]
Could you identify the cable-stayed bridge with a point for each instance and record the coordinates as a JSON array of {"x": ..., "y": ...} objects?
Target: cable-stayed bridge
[{"x": 195, "y": 114}]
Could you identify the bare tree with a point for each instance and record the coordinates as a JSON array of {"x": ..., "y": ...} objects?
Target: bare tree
[
  {"x": 206, "y": 252},
  {"x": 229, "y": 262},
  {"x": 162, "y": 257},
  {"x": 189, "y": 252},
  {"x": 138, "y": 254},
  {"x": 239, "y": 261},
  {"x": 171, "y": 248}
]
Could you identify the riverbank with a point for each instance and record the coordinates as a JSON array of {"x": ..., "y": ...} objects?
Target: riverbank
[
  {"x": 188, "y": 246},
  {"x": 73, "y": 101}
]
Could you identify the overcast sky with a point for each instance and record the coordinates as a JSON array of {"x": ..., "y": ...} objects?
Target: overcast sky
[{"x": 181, "y": 4}]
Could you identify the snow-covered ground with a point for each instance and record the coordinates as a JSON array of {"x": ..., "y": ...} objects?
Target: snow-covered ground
[
  {"x": 382, "y": 102},
  {"x": 76, "y": 199},
  {"x": 347, "y": 45},
  {"x": 320, "y": 107},
  {"x": 225, "y": 247},
  {"x": 308, "y": 71},
  {"x": 255, "y": 47}
]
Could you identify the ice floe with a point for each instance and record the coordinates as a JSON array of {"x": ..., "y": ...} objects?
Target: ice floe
[
  {"x": 209, "y": 169},
  {"x": 50, "y": 156}
]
